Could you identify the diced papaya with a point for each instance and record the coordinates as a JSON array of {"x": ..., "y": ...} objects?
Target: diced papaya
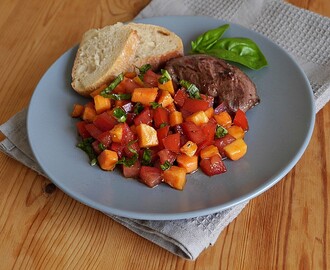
[
  {"x": 190, "y": 164},
  {"x": 89, "y": 114},
  {"x": 236, "y": 150},
  {"x": 116, "y": 133},
  {"x": 165, "y": 98},
  {"x": 189, "y": 148},
  {"x": 138, "y": 81},
  {"x": 198, "y": 118},
  {"x": 175, "y": 177},
  {"x": 107, "y": 160},
  {"x": 168, "y": 86},
  {"x": 145, "y": 95},
  {"x": 175, "y": 118},
  {"x": 101, "y": 104},
  {"x": 209, "y": 112},
  {"x": 147, "y": 135},
  {"x": 223, "y": 119},
  {"x": 77, "y": 111},
  {"x": 236, "y": 131},
  {"x": 209, "y": 151}
]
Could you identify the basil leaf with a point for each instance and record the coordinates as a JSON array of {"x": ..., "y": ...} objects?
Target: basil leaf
[
  {"x": 143, "y": 69},
  {"x": 165, "y": 76},
  {"x": 112, "y": 85},
  {"x": 163, "y": 125},
  {"x": 138, "y": 107},
  {"x": 86, "y": 146},
  {"x": 208, "y": 39},
  {"x": 192, "y": 89},
  {"x": 166, "y": 165},
  {"x": 102, "y": 146},
  {"x": 120, "y": 114},
  {"x": 220, "y": 131},
  {"x": 124, "y": 96},
  {"x": 155, "y": 105},
  {"x": 129, "y": 162},
  {"x": 240, "y": 50},
  {"x": 146, "y": 157}
]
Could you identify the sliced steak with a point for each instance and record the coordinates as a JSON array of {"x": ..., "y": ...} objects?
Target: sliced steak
[{"x": 217, "y": 78}]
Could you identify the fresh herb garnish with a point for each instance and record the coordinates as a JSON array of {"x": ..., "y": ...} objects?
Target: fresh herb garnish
[
  {"x": 165, "y": 76},
  {"x": 146, "y": 157},
  {"x": 220, "y": 131},
  {"x": 120, "y": 114},
  {"x": 86, "y": 146},
  {"x": 129, "y": 162},
  {"x": 112, "y": 85},
  {"x": 155, "y": 105},
  {"x": 163, "y": 125},
  {"x": 236, "y": 49},
  {"x": 102, "y": 146},
  {"x": 166, "y": 165},
  {"x": 122, "y": 96},
  {"x": 138, "y": 107},
  {"x": 192, "y": 89},
  {"x": 143, "y": 69}
]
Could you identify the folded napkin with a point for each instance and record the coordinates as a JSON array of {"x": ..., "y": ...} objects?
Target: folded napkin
[{"x": 304, "y": 34}]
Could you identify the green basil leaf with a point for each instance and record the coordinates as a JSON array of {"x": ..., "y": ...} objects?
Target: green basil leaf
[
  {"x": 240, "y": 50},
  {"x": 138, "y": 107},
  {"x": 165, "y": 76},
  {"x": 143, "y": 69},
  {"x": 166, "y": 165},
  {"x": 112, "y": 85},
  {"x": 155, "y": 105},
  {"x": 146, "y": 157},
  {"x": 120, "y": 114},
  {"x": 86, "y": 146},
  {"x": 129, "y": 162},
  {"x": 220, "y": 131},
  {"x": 208, "y": 39},
  {"x": 124, "y": 96},
  {"x": 192, "y": 89}
]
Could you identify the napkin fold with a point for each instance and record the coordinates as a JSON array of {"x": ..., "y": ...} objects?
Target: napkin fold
[{"x": 304, "y": 34}]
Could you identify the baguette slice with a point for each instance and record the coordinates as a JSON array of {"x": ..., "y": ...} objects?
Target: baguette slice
[
  {"x": 102, "y": 55},
  {"x": 156, "y": 45}
]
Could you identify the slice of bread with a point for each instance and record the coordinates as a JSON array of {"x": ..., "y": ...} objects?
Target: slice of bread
[
  {"x": 105, "y": 53},
  {"x": 102, "y": 55}
]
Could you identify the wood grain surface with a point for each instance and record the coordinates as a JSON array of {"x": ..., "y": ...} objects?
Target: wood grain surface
[{"x": 286, "y": 227}]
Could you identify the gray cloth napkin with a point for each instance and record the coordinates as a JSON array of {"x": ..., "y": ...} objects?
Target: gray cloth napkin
[{"x": 304, "y": 34}]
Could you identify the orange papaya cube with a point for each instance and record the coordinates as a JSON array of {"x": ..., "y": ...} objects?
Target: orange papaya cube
[
  {"x": 189, "y": 148},
  {"x": 145, "y": 95},
  {"x": 223, "y": 119},
  {"x": 209, "y": 151},
  {"x": 198, "y": 118},
  {"x": 209, "y": 112},
  {"x": 168, "y": 86},
  {"x": 107, "y": 160},
  {"x": 101, "y": 104},
  {"x": 190, "y": 164},
  {"x": 116, "y": 133},
  {"x": 175, "y": 118},
  {"x": 165, "y": 98},
  {"x": 138, "y": 81},
  {"x": 236, "y": 150},
  {"x": 77, "y": 111},
  {"x": 147, "y": 135},
  {"x": 175, "y": 177},
  {"x": 236, "y": 131},
  {"x": 89, "y": 114}
]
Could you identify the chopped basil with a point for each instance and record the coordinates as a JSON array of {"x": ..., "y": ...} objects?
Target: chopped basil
[
  {"x": 220, "y": 131},
  {"x": 146, "y": 157},
  {"x": 120, "y": 114},
  {"x": 166, "y": 165},
  {"x": 155, "y": 105},
  {"x": 86, "y": 146},
  {"x": 143, "y": 70},
  {"x": 129, "y": 162},
  {"x": 163, "y": 125},
  {"x": 124, "y": 96},
  {"x": 138, "y": 107},
  {"x": 102, "y": 146},
  {"x": 192, "y": 89},
  {"x": 112, "y": 85},
  {"x": 165, "y": 76}
]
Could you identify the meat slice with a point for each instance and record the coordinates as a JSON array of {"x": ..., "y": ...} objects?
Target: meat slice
[{"x": 217, "y": 78}]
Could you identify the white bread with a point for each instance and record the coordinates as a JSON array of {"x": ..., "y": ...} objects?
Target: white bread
[{"x": 105, "y": 53}]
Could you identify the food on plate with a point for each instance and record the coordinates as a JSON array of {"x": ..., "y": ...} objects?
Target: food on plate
[
  {"x": 105, "y": 53},
  {"x": 217, "y": 78}
]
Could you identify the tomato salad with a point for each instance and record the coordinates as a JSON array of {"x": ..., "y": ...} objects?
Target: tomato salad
[{"x": 158, "y": 131}]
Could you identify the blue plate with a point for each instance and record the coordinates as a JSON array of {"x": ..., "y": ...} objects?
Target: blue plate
[{"x": 280, "y": 130}]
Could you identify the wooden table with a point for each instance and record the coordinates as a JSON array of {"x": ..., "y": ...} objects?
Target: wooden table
[{"x": 287, "y": 227}]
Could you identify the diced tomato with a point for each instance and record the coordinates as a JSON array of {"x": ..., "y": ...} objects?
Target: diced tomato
[
  {"x": 208, "y": 130},
  {"x": 82, "y": 131},
  {"x": 161, "y": 116},
  {"x": 129, "y": 85},
  {"x": 166, "y": 155},
  {"x": 96, "y": 147},
  {"x": 222, "y": 142},
  {"x": 212, "y": 166},
  {"x": 193, "y": 132},
  {"x": 150, "y": 79},
  {"x": 104, "y": 121},
  {"x": 130, "y": 118},
  {"x": 161, "y": 134},
  {"x": 194, "y": 105},
  {"x": 151, "y": 176},
  {"x": 105, "y": 138},
  {"x": 240, "y": 120},
  {"x": 172, "y": 142},
  {"x": 131, "y": 149},
  {"x": 144, "y": 117},
  {"x": 209, "y": 99},
  {"x": 128, "y": 134},
  {"x": 180, "y": 97},
  {"x": 133, "y": 171},
  {"x": 118, "y": 148},
  {"x": 93, "y": 130}
]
